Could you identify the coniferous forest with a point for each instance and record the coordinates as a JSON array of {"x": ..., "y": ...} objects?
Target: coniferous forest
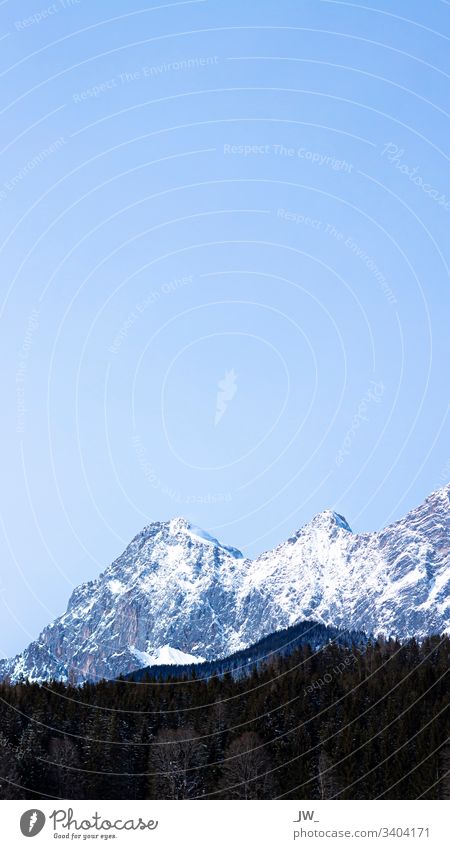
[{"x": 342, "y": 722}]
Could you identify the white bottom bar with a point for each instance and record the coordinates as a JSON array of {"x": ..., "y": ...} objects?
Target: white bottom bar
[{"x": 224, "y": 824}]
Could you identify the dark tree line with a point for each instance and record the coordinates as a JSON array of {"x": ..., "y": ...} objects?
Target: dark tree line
[
  {"x": 338, "y": 722},
  {"x": 284, "y": 642}
]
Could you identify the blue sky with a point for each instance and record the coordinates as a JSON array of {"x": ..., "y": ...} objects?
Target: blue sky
[{"x": 224, "y": 285}]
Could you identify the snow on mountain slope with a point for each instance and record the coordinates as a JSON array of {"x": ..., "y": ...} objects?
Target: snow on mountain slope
[
  {"x": 177, "y": 595},
  {"x": 165, "y": 656},
  {"x": 396, "y": 581},
  {"x": 170, "y": 587}
]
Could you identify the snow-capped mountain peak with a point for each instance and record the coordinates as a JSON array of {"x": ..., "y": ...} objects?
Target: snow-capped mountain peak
[
  {"x": 182, "y": 526},
  {"x": 176, "y": 592},
  {"x": 329, "y": 519}
]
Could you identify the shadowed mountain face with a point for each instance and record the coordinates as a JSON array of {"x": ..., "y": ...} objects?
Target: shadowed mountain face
[{"x": 177, "y": 595}]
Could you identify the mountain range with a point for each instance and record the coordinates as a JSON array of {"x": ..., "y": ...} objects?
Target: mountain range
[{"x": 177, "y": 595}]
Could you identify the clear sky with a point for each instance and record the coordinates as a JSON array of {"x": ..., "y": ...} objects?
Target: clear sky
[{"x": 224, "y": 291}]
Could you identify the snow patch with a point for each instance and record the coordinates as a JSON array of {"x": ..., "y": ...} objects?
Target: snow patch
[
  {"x": 199, "y": 535},
  {"x": 116, "y": 587},
  {"x": 202, "y": 536},
  {"x": 165, "y": 656},
  {"x": 182, "y": 526},
  {"x": 175, "y": 554}
]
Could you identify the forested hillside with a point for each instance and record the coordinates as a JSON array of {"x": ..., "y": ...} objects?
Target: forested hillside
[
  {"x": 240, "y": 663},
  {"x": 340, "y": 722}
]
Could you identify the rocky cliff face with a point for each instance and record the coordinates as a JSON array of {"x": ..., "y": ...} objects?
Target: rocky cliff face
[
  {"x": 394, "y": 582},
  {"x": 176, "y": 594}
]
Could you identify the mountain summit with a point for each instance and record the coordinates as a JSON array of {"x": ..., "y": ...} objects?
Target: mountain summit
[{"x": 177, "y": 595}]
